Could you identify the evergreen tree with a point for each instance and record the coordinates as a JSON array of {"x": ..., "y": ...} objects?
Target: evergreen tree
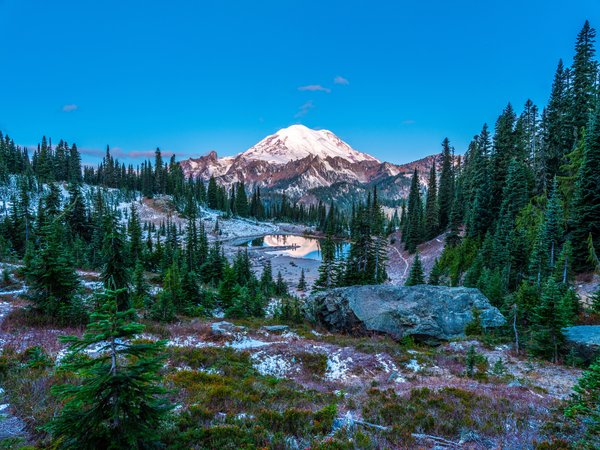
[
  {"x": 281, "y": 288},
  {"x": 115, "y": 274},
  {"x": 549, "y": 319},
  {"x": 413, "y": 233},
  {"x": 435, "y": 274},
  {"x": 241, "y": 201},
  {"x": 585, "y": 71},
  {"x": 212, "y": 194},
  {"x": 431, "y": 212},
  {"x": 446, "y": 190},
  {"x": 266, "y": 280},
  {"x": 51, "y": 276},
  {"x": 117, "y": 402},
  {"x": 586, "y": 209},
  {"x": 302, "y": 281},
  {"x": 585, "y": 404},
  {"x": 328, "y": 268},
  {"x": 416, "y": 275}
]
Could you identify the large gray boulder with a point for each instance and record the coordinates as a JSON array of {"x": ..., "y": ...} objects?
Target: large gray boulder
[
  {"x": 422, "y": 311},
  {"x": 585, "y": 339}
]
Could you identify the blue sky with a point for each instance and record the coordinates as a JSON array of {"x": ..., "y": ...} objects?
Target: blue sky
[{"x": 391, "y": 78}]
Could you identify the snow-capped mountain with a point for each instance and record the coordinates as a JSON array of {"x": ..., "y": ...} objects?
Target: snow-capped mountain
[
  {"x": 300, "y": 162},
  {"x": 298, "y": 142}
]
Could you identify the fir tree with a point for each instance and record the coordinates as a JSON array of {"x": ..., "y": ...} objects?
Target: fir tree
[
  {"x": 281, "y": 288},
  {"x": 118, "y": 402},
  {"x": 446, "y": 190},
  {"x": 585, "y": 72},
  {"x": 586, "y": 210},
  {"x": 416, "y": 275},
  {"x": 266, "y": 279},
  {"x": 302, "y": 282},
  {"x": 431, "y": 212},
  {"x": 549, "y": 319},
  {"x": 585, "y": 403},
  {"x": 51, "y": 275},
  {"x": 413, "y": 233},
  {"x": 115, "y": 274},
  {"x": 328, "y": 268}
]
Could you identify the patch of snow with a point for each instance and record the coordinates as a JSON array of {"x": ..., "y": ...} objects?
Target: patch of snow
[
  {"x": 189, "y": 342},
  {"x": 414, "y": 365},
  {"x": 245, "y": 343},
  {"x": 337, "y": 368},
  {"x": 271, "y": 365}
]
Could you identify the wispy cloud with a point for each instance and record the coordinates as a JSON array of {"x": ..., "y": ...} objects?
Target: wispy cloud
[
  {"x": 341, "y": 80},
  {"x": 118, "y": 152},
  {"x": 314, "y": 88},
  {"x": 304, "y": 109},
  {"x": 409, "y": 122},
  {"x": 69, "y": 107}
]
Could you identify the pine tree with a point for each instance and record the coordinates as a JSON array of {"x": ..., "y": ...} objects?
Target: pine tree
[
  {"x": 431, "y": 212},
  {"x": 435, "y": 274},
  {"x": 115, "y": 273},
  {"x": 585, "y": 403},
  {"x": 281, "y": 289},
  {"x": 302, "y": 281},
  {"x": 241, "y": 201},
  {"x": 266, "y": 280},
  {"x": 134, "y": 230},
  {"x": 416, "y": 275},
  {"x": 504, "y": 150},
  {"x": 140, "y": 292},
  {"x": 51, "y": 276},
  {"x": 328, "y": 268},
  {"x": 586, "y": 209},
  {"x": 585, "y": 72},
  {"x": 413, "y": 234},
  {"x": 212, "y": 194},
  {"x": 118, "y": 401},
  {"x": 446, "y": 190},
  {"x": 227, "y": 287},
  {"x": 549, "y": 319},
  {"x": 557, "y": 129}
]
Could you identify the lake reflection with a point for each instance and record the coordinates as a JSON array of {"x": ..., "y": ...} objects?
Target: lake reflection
[{"x": 296, "y": 246}]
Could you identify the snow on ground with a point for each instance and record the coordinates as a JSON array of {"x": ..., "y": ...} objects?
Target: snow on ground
[
  {"x": 246, "y": 343},
  {"x": 273, "y": 365},
  {"x": 414, "y": 365},
  {"x": 337, "y": 367},
  {"x": 188, "y": 342}
]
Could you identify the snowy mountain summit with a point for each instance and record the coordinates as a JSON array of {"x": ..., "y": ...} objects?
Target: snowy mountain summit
[
  {"x": 297, "y": 142},
  {"x": 306, "y": 164}
]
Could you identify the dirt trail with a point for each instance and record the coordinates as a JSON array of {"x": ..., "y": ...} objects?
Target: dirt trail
[{"x": 400, "y": 261}]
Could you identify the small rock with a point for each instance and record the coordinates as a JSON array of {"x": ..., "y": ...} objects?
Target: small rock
[
  {"x": 223, "y": 327},
  {"x": 275, "y": 328}
]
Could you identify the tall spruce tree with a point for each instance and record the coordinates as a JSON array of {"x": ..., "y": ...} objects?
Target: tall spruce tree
[
  {"x": 431, "y": 211},
  {"x": 446, "y": 190},
  {"x": 585, "y": 72},
  {"x": 416, "y": 275},
  {"x": 586, "y": 209},
  {"x": 414, "y": 214},
  {"x": 117, "y": 401}
]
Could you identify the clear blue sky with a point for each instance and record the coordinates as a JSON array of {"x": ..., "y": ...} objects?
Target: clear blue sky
[{"x": 201, "y": 75}]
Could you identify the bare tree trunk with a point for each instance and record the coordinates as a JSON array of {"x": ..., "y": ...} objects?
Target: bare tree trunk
[{"x": 516, "y": 331}]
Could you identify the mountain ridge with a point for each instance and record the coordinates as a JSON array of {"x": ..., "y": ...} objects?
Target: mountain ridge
[{"x": 298, "y": 160}]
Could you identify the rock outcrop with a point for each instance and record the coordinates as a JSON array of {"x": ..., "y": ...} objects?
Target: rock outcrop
[
  {"x": 424, "y": 311},
  {"x": 585, "y": 339}
]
